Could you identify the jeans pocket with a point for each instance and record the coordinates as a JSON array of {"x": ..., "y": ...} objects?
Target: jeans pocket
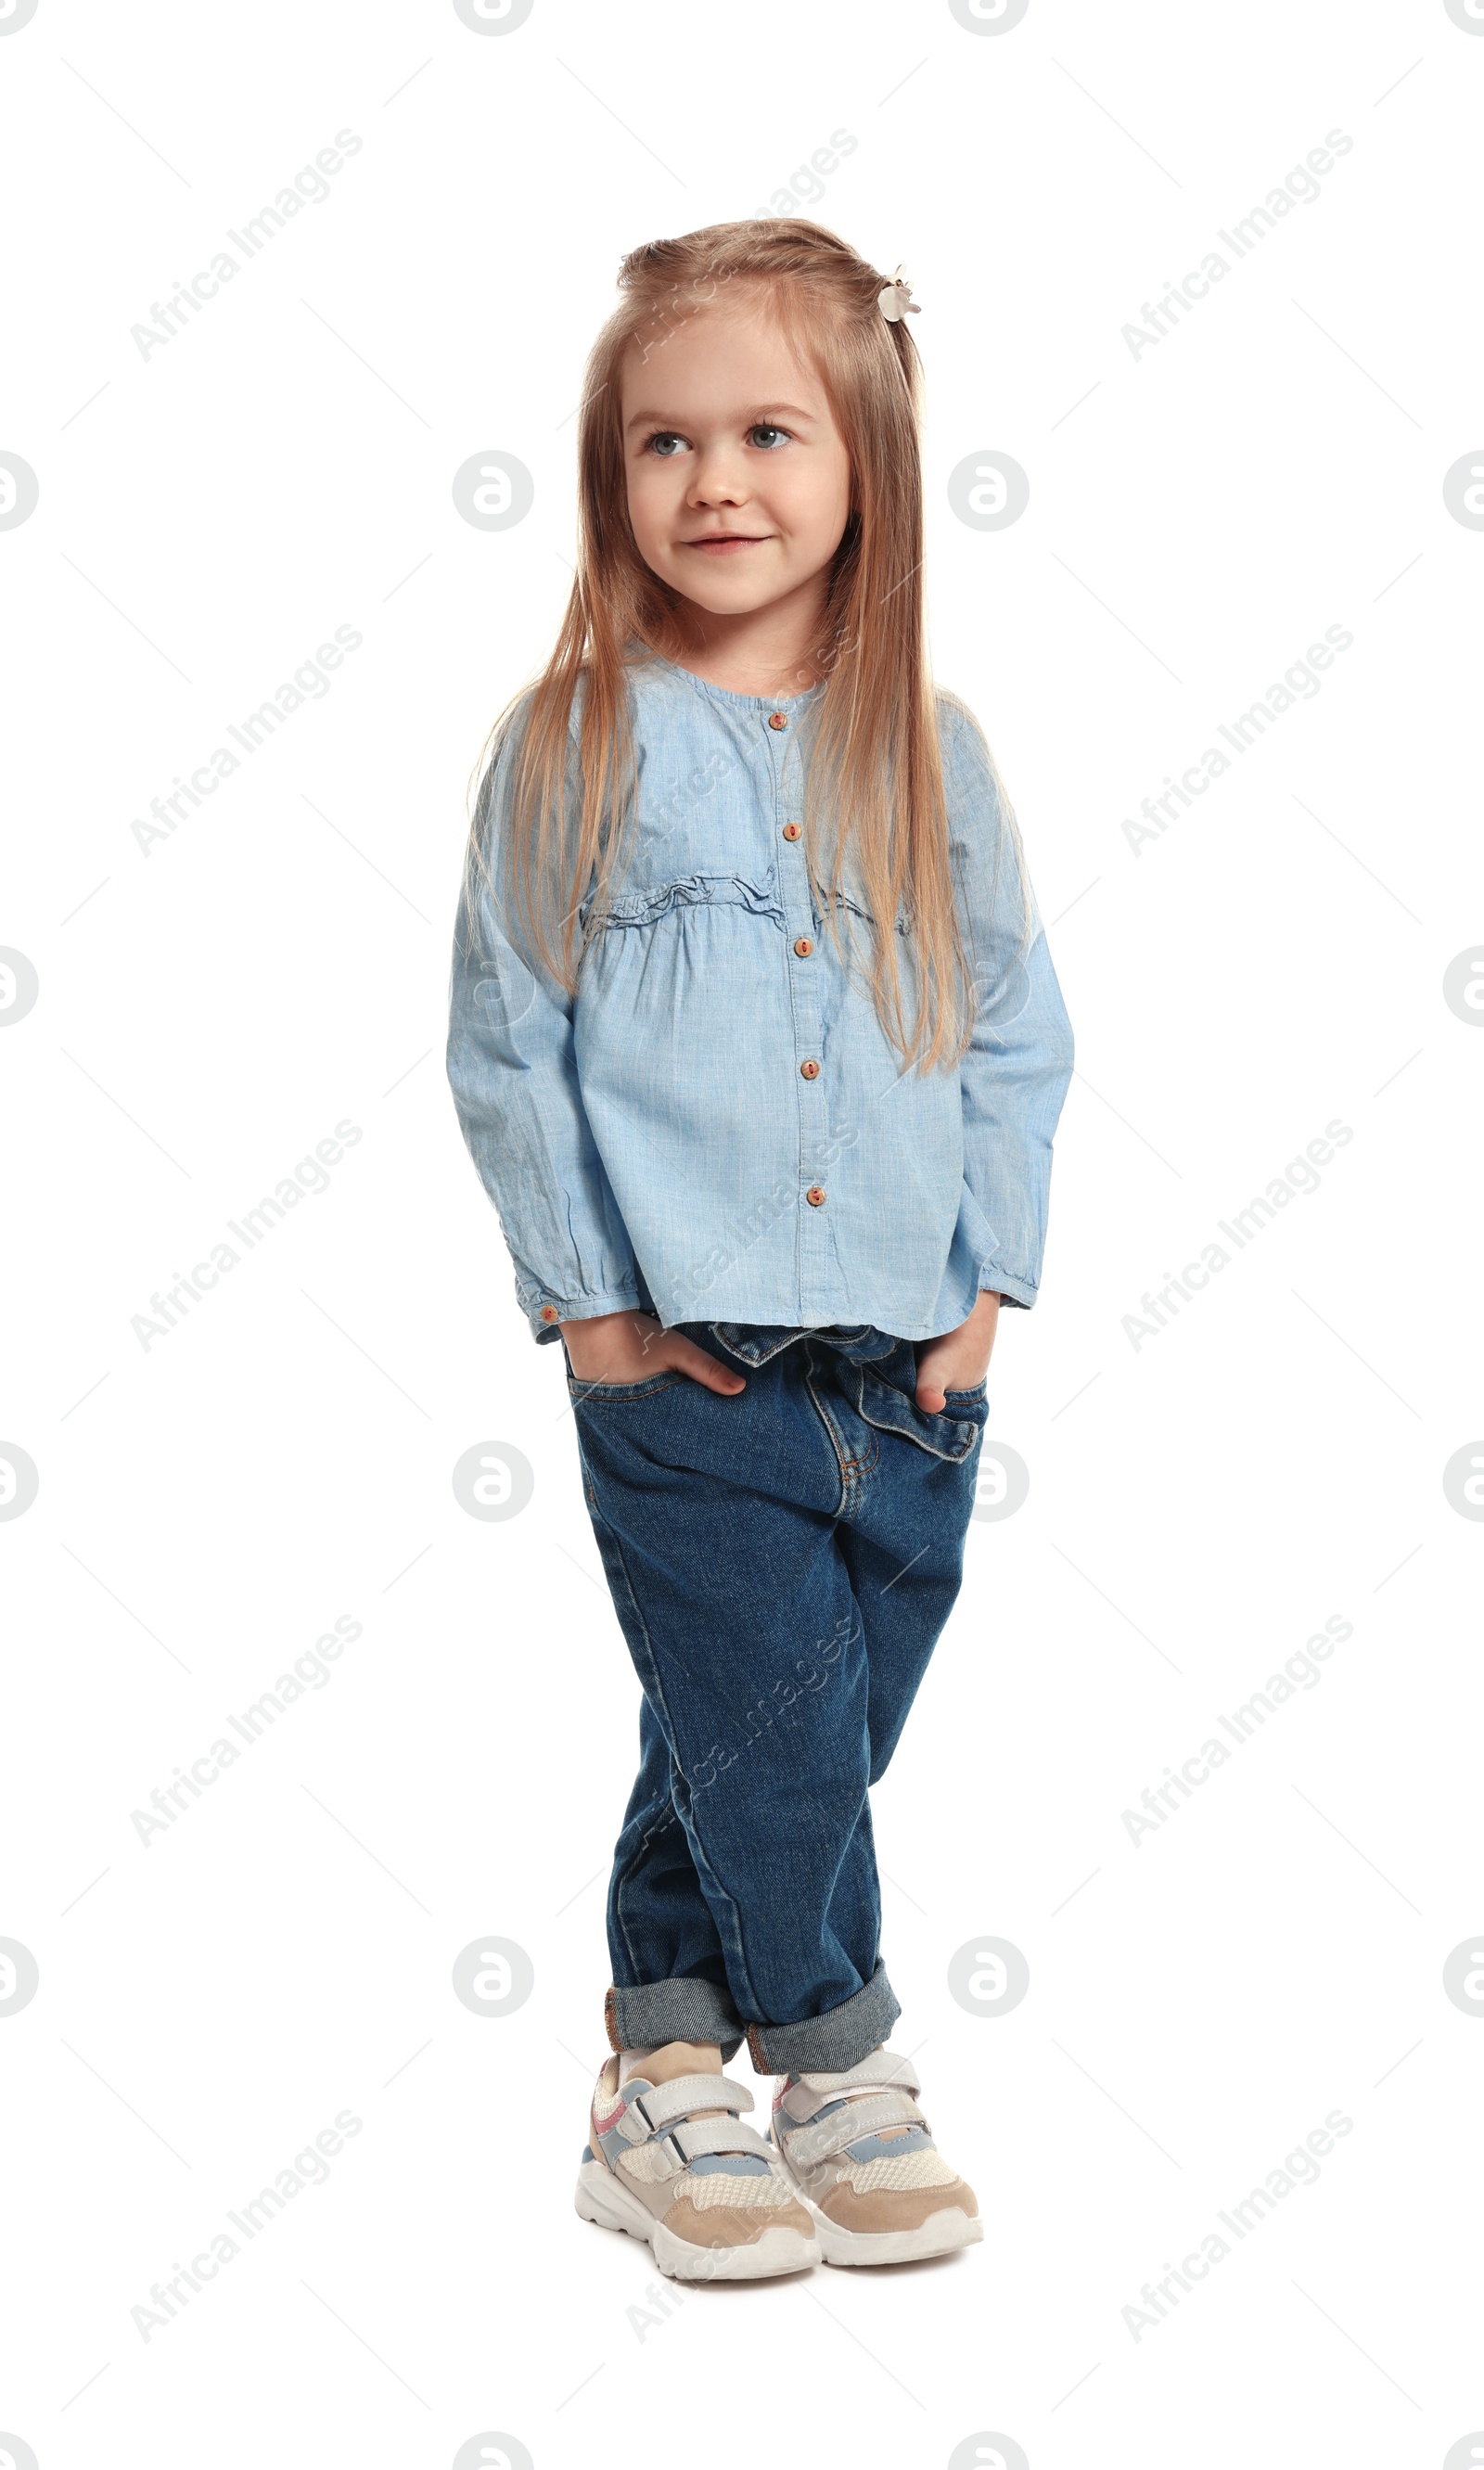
[
  {"x": 613, "y": 1393},
  {"x": 950, "y": 1436}
]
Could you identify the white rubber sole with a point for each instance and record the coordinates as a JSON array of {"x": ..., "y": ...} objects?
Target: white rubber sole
[
  {"x": 938, "y": 2235},
  {"x": 601, "y": 2199}
]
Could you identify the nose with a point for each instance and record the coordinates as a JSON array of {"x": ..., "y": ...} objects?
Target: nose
[{"x": 718, "y": 480}]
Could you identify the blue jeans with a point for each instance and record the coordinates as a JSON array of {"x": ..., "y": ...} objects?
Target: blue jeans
[{"x": 781, "y": 1562}]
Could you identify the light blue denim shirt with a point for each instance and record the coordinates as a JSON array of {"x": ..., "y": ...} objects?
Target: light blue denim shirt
[{"x": 662, "y": 1140}]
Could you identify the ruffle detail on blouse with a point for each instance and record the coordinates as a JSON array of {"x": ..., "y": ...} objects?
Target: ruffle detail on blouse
[
  {"x": 690, "y": 892},
  {"x": 859, "y": 909}
]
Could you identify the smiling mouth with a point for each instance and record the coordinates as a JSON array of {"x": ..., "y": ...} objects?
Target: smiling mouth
[{"x": 722, "y": 543}]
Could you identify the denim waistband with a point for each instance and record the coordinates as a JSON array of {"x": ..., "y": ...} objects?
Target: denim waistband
[{"x": 755, "y": 1342}]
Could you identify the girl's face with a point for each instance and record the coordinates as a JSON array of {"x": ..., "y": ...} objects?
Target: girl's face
[{"x": 739, "y": 482}]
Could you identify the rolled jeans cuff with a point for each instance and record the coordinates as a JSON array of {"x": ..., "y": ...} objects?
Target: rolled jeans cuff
[
  {"x": 828, "y": 2043},
  {"x": 687, "y": 2009}
]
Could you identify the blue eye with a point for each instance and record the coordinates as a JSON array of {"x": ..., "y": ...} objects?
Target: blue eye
[
  {"x": 665, "y": 443},
  {"x": 764, "y": 434}
]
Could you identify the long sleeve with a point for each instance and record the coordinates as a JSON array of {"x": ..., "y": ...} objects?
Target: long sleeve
[
  {"x": 1015, "y": 1071},
  {"x": 511, "y": 1067}
]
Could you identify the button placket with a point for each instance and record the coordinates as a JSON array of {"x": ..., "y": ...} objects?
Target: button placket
[{"x": 802, "y": 962}]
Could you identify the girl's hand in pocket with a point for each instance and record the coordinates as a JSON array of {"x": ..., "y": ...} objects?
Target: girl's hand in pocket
[
  {"x": 960, "y": 1359},
  {"x": 628, "y": 1346}
]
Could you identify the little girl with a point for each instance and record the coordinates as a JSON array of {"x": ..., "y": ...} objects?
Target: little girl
[{"x": 760, "y": 1052}]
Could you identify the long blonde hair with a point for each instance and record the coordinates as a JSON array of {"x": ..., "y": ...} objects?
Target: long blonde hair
[{"x": 873, "y": 763}]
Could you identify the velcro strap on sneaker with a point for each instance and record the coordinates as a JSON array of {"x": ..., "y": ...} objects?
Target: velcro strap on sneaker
[
  {"x": 822, "y": 2137},
  {"x": 681, "y": 2095},
  {"x": 690, "y": 2137},
  {"x": 881, "y": 2067}
]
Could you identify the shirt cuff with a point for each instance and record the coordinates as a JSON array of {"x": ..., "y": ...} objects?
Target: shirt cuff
[
  {"x": 1011, "y": 1290},
  {"x": 545, "y": 1317}
]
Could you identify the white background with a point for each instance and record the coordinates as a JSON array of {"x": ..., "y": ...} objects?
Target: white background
[{"x": 1198, "y": 1505}]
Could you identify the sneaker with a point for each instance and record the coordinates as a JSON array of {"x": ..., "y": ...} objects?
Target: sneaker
[
  {"x": 707, "y": 2193},
  {"x": 857, "y": 2150}
]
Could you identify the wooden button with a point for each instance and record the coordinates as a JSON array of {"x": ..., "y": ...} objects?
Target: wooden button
[
  {"x": 792, "y": 831},
  {"x": 778, "y": 720},
  {"x": 811, "y": 1069},
  {"x": 548, "y": 1312},
  {"x": 803, "y": 948},
  {"x": 815, "y": 1196}
]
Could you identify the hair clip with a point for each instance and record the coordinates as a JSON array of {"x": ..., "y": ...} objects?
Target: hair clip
[{"x": 897, "y": 302}]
